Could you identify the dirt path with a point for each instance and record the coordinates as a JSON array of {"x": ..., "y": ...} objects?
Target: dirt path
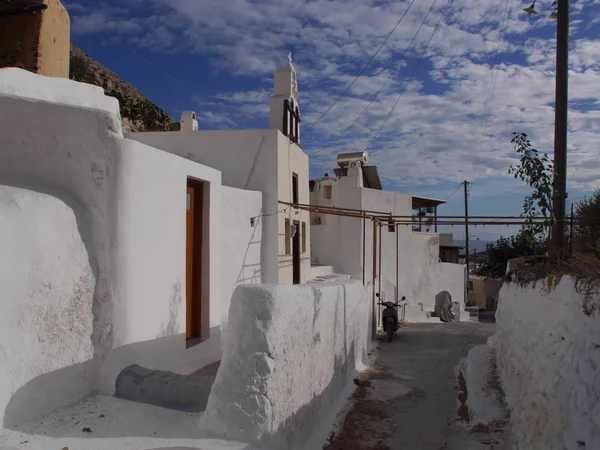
[{"x": 409, "y": 399}]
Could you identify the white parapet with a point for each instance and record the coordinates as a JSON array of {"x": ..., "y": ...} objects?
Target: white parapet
[{"x": 292, "y": 353}]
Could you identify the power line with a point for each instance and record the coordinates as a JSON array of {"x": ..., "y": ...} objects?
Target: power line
[
  {"x": 411, "y": 76},
  {"x": 359, "y": 73},
  {"x": 444, "y": 190},
  {"x": 162, "y": 71},
  {"x": 394, "y": 70},
  {"x": 492, "y": 81},
  {"x": 455, "y": 191}
]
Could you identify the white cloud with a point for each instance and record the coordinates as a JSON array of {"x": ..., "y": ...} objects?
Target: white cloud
[{"x": 434, "y": 133}]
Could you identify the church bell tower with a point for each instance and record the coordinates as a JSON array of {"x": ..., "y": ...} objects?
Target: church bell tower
[{"x": 285, "y": 111}]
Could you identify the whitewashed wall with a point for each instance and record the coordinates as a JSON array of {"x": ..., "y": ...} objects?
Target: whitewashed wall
[
  {"x": 258, "y": 160},
  {"x": 338, "y": 242},
  {"x": 129, "y": 203},
  {"x": 548, "y": 355},
  {"x": 291, "y": 159},
  {"x": 150, "y": 317},
  {"x": 290, "y": 363},
  {"x": 240, "y": 243},
  {"x": 46, "y": 308}
]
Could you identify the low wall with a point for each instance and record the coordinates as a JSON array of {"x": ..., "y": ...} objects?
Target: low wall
[
  {"x": 293, "y": 354},
  {"x": 548, "y": 355},
  {"x": 46, "y": 308}
]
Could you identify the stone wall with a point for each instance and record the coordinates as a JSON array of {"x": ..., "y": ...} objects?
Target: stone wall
[
  {"x": 291, "y": 358},
  {"x": 548, "y": 356}
]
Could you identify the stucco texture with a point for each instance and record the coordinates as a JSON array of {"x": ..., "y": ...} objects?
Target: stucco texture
[
  {"x": 547, "y": 346},
  {"x": 46, "y": 308},
  {"x": 129, "y": 204},
  {"x": 293, "y": 353}
]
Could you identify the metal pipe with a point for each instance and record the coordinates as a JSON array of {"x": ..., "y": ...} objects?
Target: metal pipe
[
  {"x": 380, "y": 271},
  {"x": 380, "y": 213},
  {"x": 364, "y": 245},
  {"x": 397, "y": 255},
  {"x": 374, "y": 320}
]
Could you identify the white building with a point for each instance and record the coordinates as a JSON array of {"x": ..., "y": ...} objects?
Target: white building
[
  {"x": 338, "y": 241},
  {"x": 112, "y": 252},
  {"x": 269, "y": 161}
]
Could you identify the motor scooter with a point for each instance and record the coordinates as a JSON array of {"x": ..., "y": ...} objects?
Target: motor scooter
[{"x": 389, "y": 317}]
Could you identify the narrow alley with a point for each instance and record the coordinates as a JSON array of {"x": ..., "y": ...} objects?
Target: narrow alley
[{"x": 410, "y": 398}]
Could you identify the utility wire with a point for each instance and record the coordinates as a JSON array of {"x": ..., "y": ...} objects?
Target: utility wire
[
  {"x": 162, "y": 71},
  {"x": 394, "y": 70},
  {"x": 445, "y": 190},
  {"x": 359, "y": 73},
  {"x": 455, "y": 191},
  {"x": 493, "y": 78},
  {"x": 411, "y": 76}
]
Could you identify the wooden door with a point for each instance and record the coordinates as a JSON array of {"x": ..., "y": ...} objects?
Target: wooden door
[
  {"x": 193, "y": 272},
  {"x": 189, "y": 256}
]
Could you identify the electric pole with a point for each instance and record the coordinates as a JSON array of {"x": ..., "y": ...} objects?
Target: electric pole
[
  {"x": 466, "y": 185},
  {"x": 560, "y": 127}
]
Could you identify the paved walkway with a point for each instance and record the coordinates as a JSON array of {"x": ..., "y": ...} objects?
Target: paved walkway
[{"x": 409, "y": 400}]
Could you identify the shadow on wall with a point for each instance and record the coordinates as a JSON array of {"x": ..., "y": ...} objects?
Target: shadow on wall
[
  {"x": 172, "y": 326},
  {"x": 51, "y": 388},
  {"x": 31, "y": 400},
  {"x": 255, "y": 268},
  {"x": 292, "y": 433},
  {"x": 44, "y": 392},
  {"x": 253, "y": 398}
]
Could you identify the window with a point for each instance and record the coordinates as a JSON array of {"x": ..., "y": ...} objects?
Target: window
[
  {"x": 391, "y": 226},
  {"x": 295, "y": 188},
  {"x": 303, "y": 237},
  {"x": 326, "y": 191},
  {"x": 288, "y": 237}
]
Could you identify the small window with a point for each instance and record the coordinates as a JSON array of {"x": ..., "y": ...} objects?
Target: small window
[
  {"x": 288, "y": 237},
  {"x": 303, "y": 237},
  {"x": 391, "y": 225},
  {"x": 327, "y": 192},
  {"x": 295, "y": 188}
]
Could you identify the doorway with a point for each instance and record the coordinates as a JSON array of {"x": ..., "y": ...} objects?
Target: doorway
[
  {"x": 296, "y": 252},
  {"x": 193, "y": 255}
]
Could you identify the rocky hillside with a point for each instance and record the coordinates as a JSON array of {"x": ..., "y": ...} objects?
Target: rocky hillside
[{"x": 138, "y": 113}]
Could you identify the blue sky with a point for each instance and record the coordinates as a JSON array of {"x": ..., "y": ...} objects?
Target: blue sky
[{"x": 220, "y": 56}]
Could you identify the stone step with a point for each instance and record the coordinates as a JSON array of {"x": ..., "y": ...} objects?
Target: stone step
[{"x": 320, "y": 271}]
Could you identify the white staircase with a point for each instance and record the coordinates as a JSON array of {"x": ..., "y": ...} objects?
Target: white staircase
[{"x": 325, "y": 273}]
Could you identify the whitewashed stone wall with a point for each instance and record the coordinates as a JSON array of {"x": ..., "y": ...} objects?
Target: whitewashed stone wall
[
  {"x": 292, "y": 355},
  {"x": 548, "y": 355},
  {"x": 45, "y": 308}
]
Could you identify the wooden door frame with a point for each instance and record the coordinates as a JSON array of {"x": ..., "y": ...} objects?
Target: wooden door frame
[
  {"x": 297, "y": 254},
  {"x": 198, "y": 309}
]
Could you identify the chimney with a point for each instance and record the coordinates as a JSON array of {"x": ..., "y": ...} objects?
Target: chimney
[{"x": 188, "y": 121}]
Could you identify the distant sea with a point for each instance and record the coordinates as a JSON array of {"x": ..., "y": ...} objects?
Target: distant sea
[{"x": 479, "y": 246}]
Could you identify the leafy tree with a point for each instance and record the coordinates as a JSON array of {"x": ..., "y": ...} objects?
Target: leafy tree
[
  {"x": 587, "y": 231},
  {"x": 537, "y": 172},
  {"x": 505, "y": 248}
]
